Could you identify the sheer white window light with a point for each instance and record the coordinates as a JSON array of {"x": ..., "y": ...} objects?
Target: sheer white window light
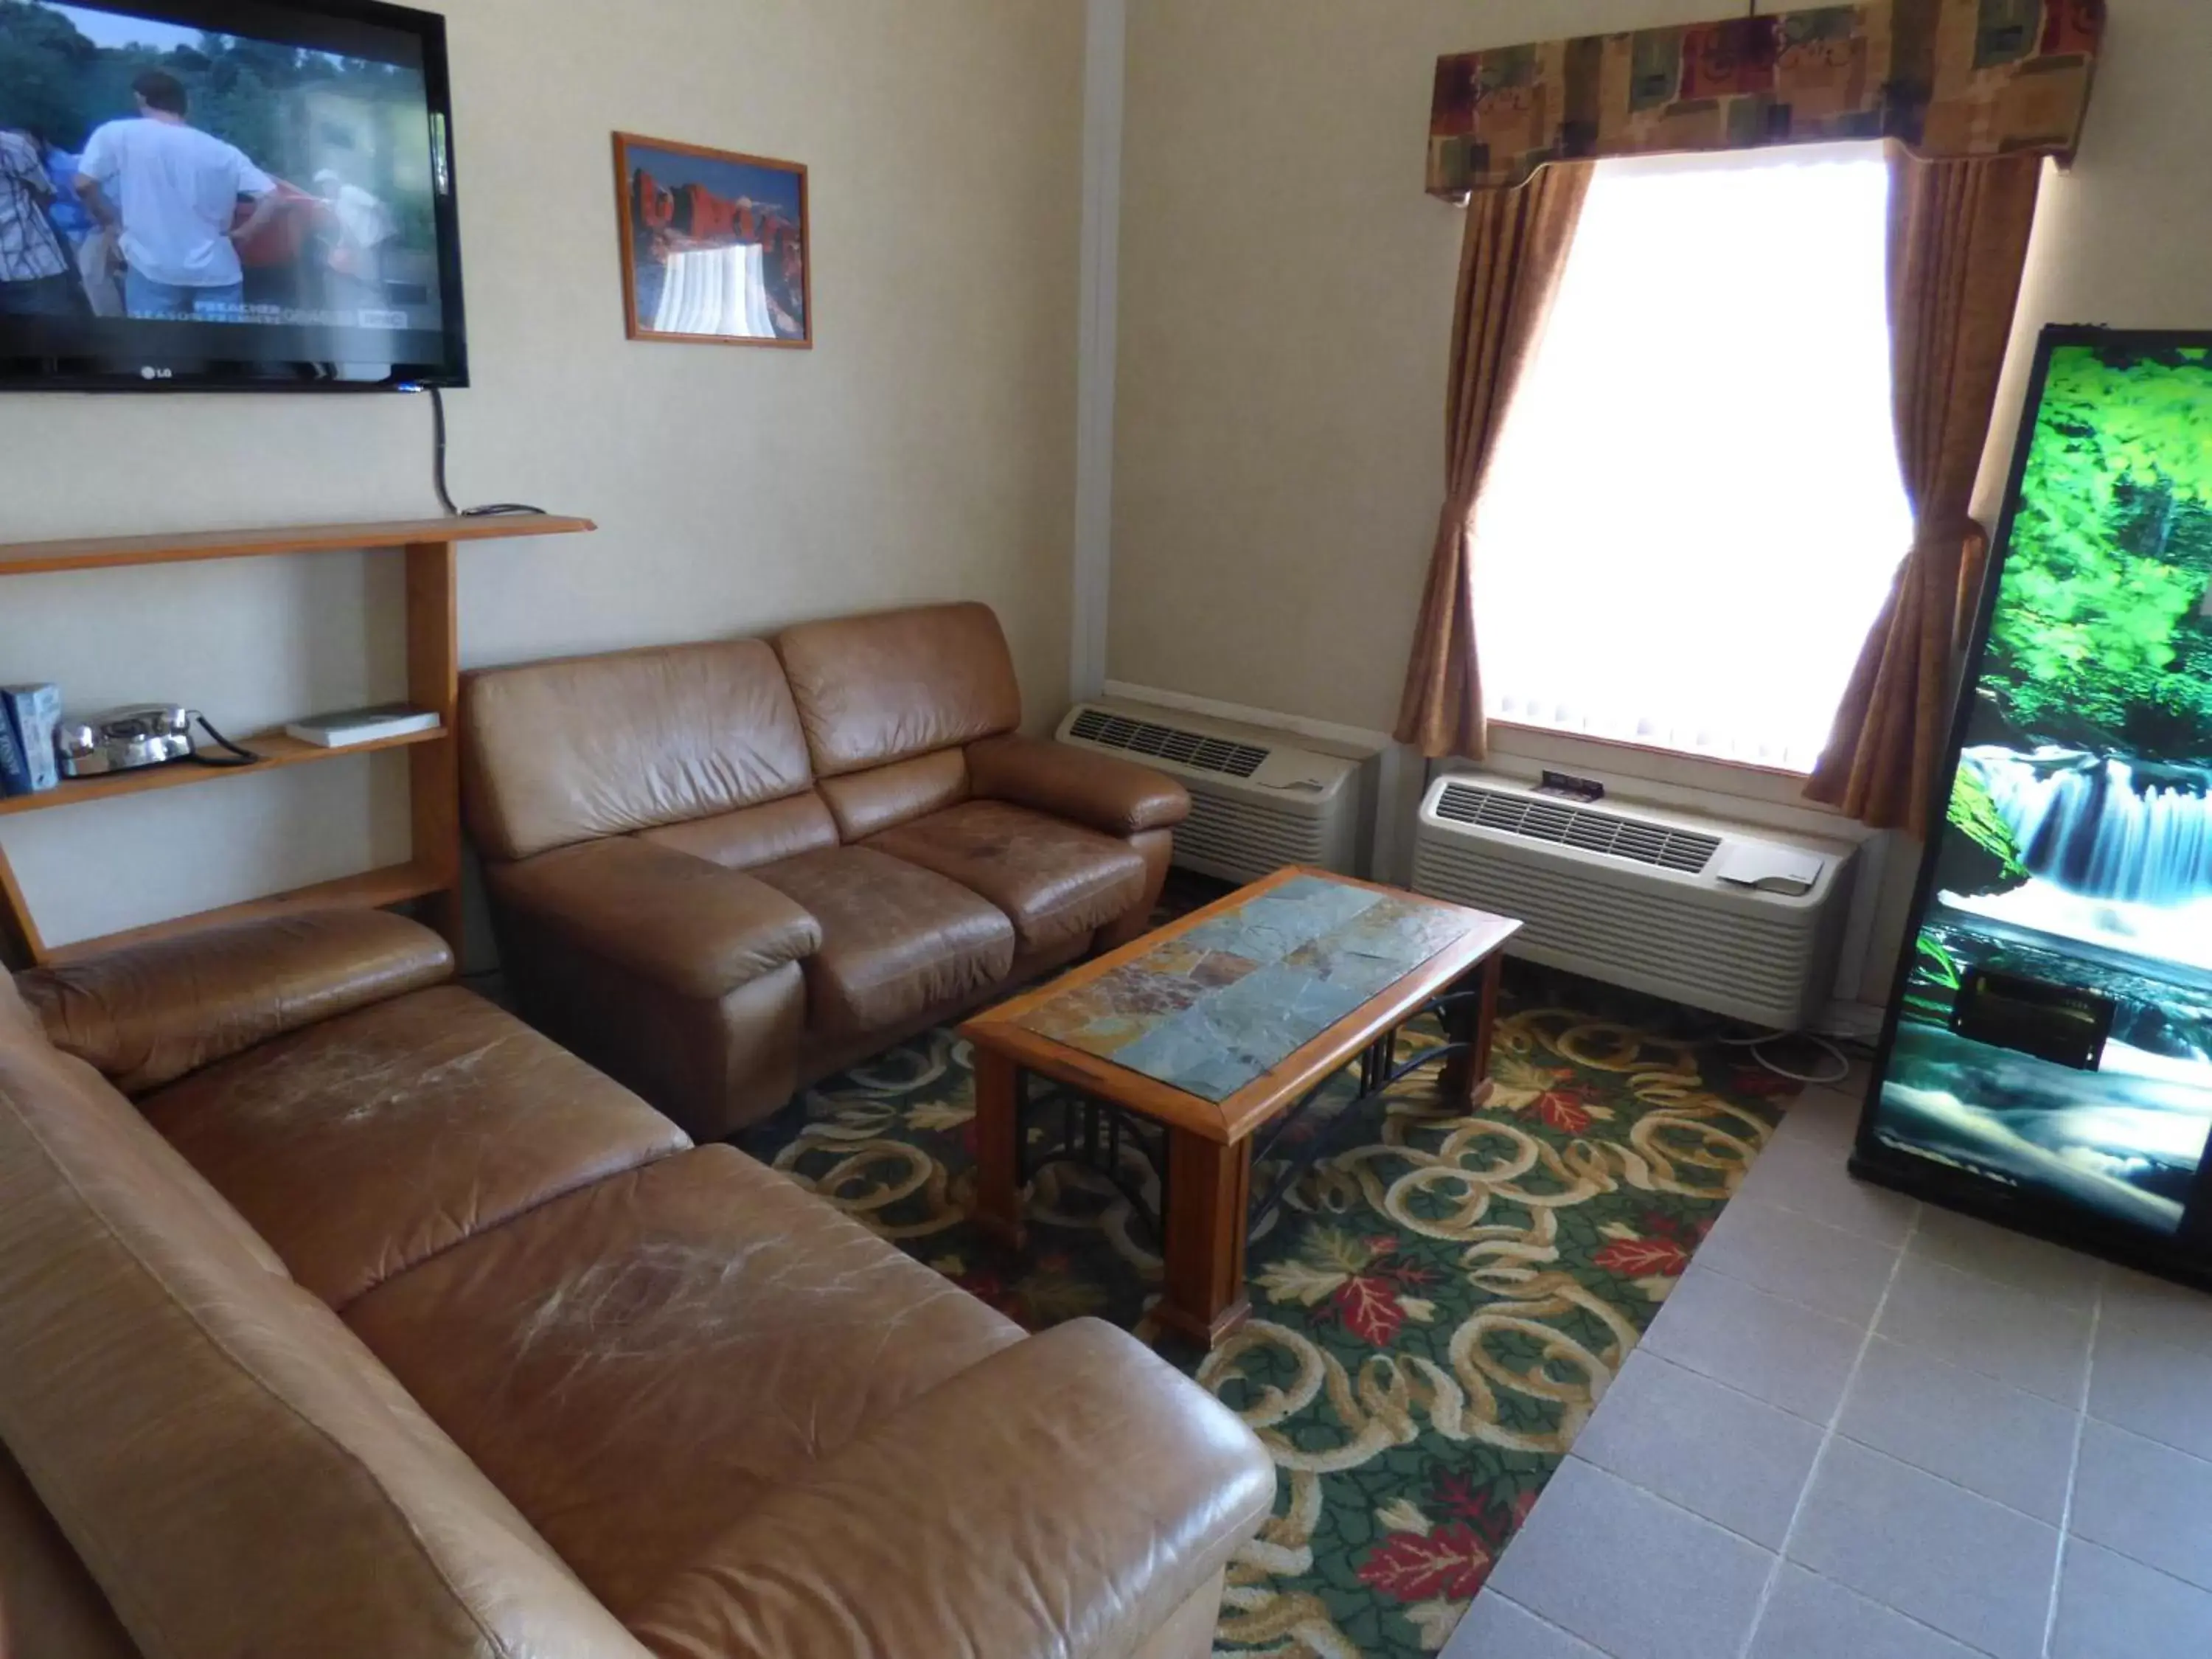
[{"x": 1695, "y": 508}]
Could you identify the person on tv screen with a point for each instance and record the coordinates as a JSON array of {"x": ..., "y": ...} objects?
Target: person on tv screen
[
  {"x": 34, "y": 279},
  {"x": 172, "y": 191}
]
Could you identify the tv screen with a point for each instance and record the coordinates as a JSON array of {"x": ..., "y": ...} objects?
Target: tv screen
[
  {"x": 2051, "y": 1042},
  {"x": 248, "y": 194}
]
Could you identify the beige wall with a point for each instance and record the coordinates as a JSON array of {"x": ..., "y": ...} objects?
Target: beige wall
[
  {"x": 1285, "y": 308},
  {"x": 924, "y": 450},
  {"x": 1285, "y": 293}
]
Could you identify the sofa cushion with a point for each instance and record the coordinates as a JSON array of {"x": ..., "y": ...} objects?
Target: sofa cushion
[
  {"x": 958, "y": 1555},
  {"x": 874, "y": 690},
  {"x": 896, "y": 939},
  {"x": 236, "y": 1471},
  {"x": 363, "y": 1145},
  {"x": 637, "y": 1363},
  {"x": 555, "y": 752},
  {"x": 1056, "y": 879},
  {"x": 685, "y": 924},
  {"x": 148, "y": 1015},
  {"x": 866, "y": 802},
  {"x": 753, "y": 835}
]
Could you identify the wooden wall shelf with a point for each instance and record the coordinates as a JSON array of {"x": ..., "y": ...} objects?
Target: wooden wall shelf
[
  {"x": 275, "y": 748},
  {"x": 432, "y": 875},
  {"x": 108, "y": 552}
]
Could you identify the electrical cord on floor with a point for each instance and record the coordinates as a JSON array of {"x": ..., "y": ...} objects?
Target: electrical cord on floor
[
  {"x": 497, "y": 509},
  {"x": 1757, "y": 1043}
]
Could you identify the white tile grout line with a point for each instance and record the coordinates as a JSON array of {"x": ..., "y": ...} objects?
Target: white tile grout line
[
  {"x": 1827, "y": 1438},
  {"x": 2074, "y": 1466},
  {"x": 1522, "y": 1606}
]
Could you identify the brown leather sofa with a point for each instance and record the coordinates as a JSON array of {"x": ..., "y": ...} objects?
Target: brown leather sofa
[
  {"x": 381, "y": 1326},
  {"x": 721, "y": 872}
]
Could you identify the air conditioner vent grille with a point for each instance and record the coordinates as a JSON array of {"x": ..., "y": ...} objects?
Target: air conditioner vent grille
[
  {"x": 1629, "y": 840},
  {"x": 1197, "y": 750}
]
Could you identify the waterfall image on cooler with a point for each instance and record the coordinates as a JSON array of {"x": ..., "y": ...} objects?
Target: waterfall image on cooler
[
  {"x": 2118, "y": 854},
  {"x": 2077, "y": 850}
]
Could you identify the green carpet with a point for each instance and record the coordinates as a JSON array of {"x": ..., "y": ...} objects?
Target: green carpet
[{"x": 1435, "y": 1312}]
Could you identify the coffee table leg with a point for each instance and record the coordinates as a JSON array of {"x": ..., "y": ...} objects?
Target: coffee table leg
[
  {"x": 1209, "y": 1195},
  {"x": 998, "y": 1147},
  {"x": 1467, "y": 1075}
]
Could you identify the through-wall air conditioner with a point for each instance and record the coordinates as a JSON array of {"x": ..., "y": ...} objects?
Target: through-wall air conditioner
[
  {"x": 1717, "y": 916},
  {"x": 1257, "y": 801}
]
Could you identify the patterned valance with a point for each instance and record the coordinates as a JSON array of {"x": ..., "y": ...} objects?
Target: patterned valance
[{"x": 1945, "y": 78}]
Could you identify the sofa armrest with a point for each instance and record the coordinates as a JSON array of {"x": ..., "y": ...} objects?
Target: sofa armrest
[
  {"x": 1117, "y": 796},
  {"x": 145, "y": 1015},
  {"x": 685, "y": 923},
  {"x": 1064, "y": 1499}
]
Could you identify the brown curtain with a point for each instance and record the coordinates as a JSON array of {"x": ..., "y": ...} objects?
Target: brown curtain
[
  {"x": 1510, "y": 261},
  {"x": 1958, "y": 239}
]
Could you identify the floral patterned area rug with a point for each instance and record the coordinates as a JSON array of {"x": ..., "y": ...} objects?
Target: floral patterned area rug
[{"x": 1435, "y": 1311}]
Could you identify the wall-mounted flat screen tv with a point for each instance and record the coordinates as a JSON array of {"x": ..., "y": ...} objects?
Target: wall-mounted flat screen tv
[
  {"x": 2049, "y": 1056},
  {"x": 226, "y": 194}
]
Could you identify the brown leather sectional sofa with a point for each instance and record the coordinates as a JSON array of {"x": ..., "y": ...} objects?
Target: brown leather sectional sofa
[
  {"x": 723, "y": 870},
  {"x": 378, "y": 1325}
]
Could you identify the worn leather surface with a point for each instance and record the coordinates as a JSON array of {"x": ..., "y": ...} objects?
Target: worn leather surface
[
  {"x": 1188, "y": 1632},
  {"x": 150, "y": 1169},
  {"x": 865, "y": 802},
  {"x": 684, "y": 922},
  {"x": 824, "y": 1053},
  {"x": 556, "y": 752},
  {"x": 709, "y": 1004},
  {"x": 877, "y": 689},
  {"x": 147, "y": 1015},
  {"x": 236, "y": 1471},
  {"x": 50, "y": 1606},
  {"x": 1116, "y": 796},
  {"x": 714, "y": 1064},
  {"x": 437, "y": 1116},
  {"x": 958, "y": 1556},
  {"x": 1056, "y": 879},
  {"x": 724, "y": 1405},
  {"x": 754, "y": 835},
  {"x": 1157, "y": 849},
  {"x": 639, "y": 1364},
  {"x": 895, "y": 939}
]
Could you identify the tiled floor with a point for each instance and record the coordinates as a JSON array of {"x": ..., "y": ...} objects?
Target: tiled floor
[{"x": 1863, "y": 1428}]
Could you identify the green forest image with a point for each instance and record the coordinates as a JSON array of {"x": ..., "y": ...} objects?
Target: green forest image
[{"x": 2077, "y": 848}]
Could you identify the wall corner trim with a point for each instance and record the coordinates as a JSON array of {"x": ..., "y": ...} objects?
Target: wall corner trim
[{"x": 1105, "y": 64}]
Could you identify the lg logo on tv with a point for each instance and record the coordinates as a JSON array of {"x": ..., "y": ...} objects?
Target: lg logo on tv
[{"x": 151, "y": 372}]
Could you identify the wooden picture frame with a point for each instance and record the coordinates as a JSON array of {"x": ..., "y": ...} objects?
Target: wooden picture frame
[{"x": 716, "y": 245}]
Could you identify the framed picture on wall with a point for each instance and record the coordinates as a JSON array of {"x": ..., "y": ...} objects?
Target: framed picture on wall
[{"x": 714, "y": 245}]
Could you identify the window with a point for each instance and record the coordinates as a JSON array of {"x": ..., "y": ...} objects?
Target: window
[{"x": 1695, "y": 509}]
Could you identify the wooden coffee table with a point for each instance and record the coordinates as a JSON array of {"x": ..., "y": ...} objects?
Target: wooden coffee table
[{"x": 1201, "y": 1042}]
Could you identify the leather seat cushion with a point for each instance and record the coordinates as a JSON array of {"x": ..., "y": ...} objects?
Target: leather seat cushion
[
  {"x": 1056, "y": 879},
  {"x": 363, "y": 1145},
  {"x": 896, "y": 939},
  {"x": 635, "y": 1364}
]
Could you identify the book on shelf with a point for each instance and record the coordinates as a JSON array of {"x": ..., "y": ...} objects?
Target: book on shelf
[
  {"x": 30, "y": 715},
  {"x": 351, "y": 725}
]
